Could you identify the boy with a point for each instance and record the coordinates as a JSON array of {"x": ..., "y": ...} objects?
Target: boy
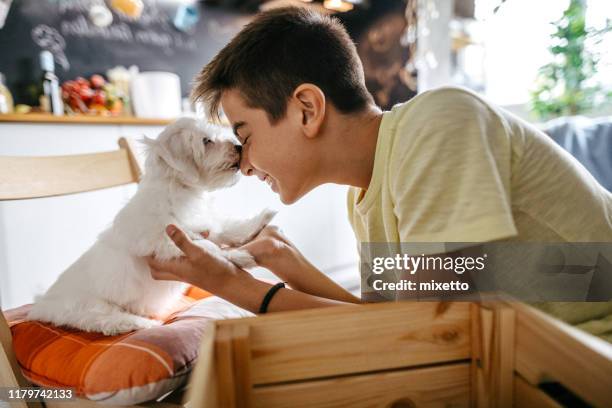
[{"x": 446, "y": 166}]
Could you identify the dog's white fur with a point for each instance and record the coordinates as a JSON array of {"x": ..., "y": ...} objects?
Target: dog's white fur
[{"x": 109, "y": 289}]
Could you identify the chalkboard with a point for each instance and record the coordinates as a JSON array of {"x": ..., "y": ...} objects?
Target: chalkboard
[{"x": 81, "y": 48}]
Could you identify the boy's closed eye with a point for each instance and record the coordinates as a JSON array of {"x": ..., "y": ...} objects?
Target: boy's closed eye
[{"x": 235, "y": 128}]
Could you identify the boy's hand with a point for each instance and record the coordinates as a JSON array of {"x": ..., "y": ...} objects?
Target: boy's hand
[
  {"x": 198, "y": 267},
  {"x": 269, "y": 246},
  {"x": 216, "y": 274}
]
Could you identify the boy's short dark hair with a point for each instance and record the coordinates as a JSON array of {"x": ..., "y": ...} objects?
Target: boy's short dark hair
[{"x": 275, "y": 53}]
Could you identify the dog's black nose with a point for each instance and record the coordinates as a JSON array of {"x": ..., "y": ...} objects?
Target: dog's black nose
[{"x": 238, "y": 148}]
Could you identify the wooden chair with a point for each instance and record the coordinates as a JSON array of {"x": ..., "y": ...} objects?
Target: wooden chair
[
  {"x": 36, "y": 177},
  {"x": 47, "y": 176}
]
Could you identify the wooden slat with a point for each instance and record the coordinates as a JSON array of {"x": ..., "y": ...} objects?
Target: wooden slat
[
  {"x": 443, "y": 386},
  {"x": 527, "y": 395},
  {"x": 202, "y": 389},
  {"x": 242, "y": 365},
  {"x": 224, "y": 364},
  {"x": 353, "y": 339},
  {"x": 549, "y": 348},
  {"x": 504, "y": 356},
  {"x": 482, "y": 382},
  {"x": 493, "y": 325},
  {"x": 475, "y": 350},
  {"x": 10, "y": 373},
  {"x": 8, "y": 378},
  {"x": 33, "y": 177},
  {"x": 135, "y": 164}
]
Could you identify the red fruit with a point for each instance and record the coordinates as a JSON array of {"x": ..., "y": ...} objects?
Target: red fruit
[
  {"x": 68, "y": 86},
  {"x": 86, "y": 94},
  {"x": 99, "y": 98},
  {"x": 77, "y": 104},
  {"x": 97, "y": 81},
  {"x": 74, "y": 103}
]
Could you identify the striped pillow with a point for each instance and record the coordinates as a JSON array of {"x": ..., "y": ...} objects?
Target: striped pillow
[{"x": 125, "y": 369}]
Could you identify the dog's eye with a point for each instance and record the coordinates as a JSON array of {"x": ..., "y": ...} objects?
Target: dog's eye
[{"x": 206, "y": 141}]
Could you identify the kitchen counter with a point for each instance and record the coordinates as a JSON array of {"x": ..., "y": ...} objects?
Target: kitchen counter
[{"x": 81, "y": 119}]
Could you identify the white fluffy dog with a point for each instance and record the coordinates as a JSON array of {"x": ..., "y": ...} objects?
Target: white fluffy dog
[{"x": 109, "y": 289}]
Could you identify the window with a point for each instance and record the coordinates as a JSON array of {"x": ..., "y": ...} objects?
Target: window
[{"x": 516, "y": 40}]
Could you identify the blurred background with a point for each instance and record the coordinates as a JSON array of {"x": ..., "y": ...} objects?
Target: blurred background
[{"x": 78, "y": 74}]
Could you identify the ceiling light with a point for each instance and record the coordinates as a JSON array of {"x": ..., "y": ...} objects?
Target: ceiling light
[{"x": 338, "y": 5}]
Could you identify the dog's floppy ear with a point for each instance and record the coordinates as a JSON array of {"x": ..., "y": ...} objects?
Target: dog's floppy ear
[
  {"x": 148, "y": 143},
  {"x": 186, "y": 167}
]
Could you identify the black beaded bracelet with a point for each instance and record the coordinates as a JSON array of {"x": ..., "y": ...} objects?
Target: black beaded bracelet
[{"x": 266, "y": 300}]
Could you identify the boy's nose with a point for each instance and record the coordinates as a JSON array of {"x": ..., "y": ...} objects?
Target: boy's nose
[
  {"x": 246, "y": 170},
  {"x": 245, "y": 166}
]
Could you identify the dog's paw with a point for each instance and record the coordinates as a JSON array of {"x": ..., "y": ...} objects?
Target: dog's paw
[
  {"x": 209, "y": 246},
  {"x": 124, "y": 323},
  {"x": 241, "y": 258},
  {"x": 260, "y": 221},
  {"x": 266, "y": 216}
]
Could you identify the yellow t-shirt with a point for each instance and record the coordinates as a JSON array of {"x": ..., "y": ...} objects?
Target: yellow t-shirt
[{"x": 450, "y": 167}]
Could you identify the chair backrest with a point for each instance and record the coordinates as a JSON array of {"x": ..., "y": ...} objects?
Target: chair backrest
[{"x": 46, "y": 176}]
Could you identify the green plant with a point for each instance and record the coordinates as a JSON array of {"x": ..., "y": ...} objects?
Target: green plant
[{"x": 565, "y": 85}]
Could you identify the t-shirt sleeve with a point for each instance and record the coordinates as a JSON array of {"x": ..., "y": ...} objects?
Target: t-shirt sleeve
[{"x": 452, "y": 179}]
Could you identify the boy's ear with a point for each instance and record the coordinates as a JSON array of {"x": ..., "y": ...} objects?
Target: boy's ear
[{"x": 311, "y": 103}]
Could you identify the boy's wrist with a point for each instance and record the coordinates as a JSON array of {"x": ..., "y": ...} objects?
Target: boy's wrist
[{"x": 242, "y": 289}]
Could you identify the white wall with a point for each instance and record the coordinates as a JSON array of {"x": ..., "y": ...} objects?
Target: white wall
[{"x": 40, "y": 238}]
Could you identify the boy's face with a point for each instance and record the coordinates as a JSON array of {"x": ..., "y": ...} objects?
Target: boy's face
[{"x": 276, "y": 154}]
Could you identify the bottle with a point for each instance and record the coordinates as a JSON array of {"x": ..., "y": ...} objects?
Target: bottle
[
  {"x": 51, "y": 98},
  {"x": 6, "y": 99}
]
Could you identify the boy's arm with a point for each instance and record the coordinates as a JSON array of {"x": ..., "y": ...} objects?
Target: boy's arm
[
  {"x": 273, "y": 251},
  {"x": 219, "y": 276},
  {"x": 242, "y": 289}
]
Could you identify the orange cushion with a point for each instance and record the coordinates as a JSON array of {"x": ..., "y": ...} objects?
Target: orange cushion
[{"x": 124, "y": 369}]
